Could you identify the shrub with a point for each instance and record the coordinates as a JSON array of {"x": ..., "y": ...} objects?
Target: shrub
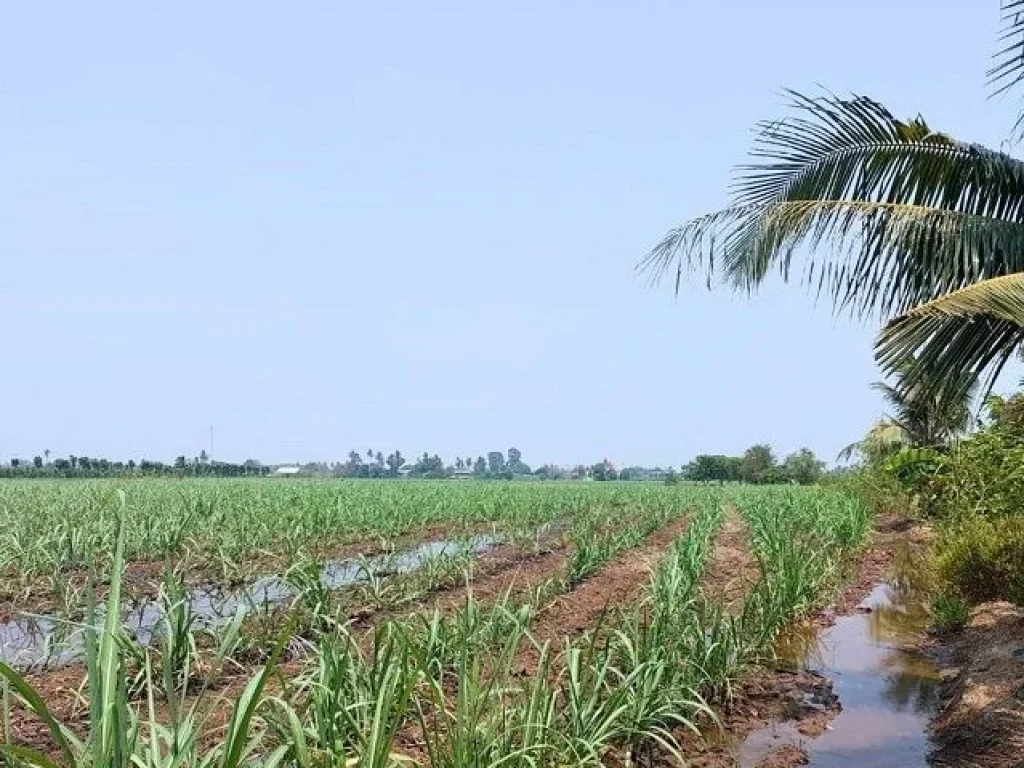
[
  {"x": 878, "y": 492},
  {"x": 982, "y": 558},
  {"x": 983, "y": 475},
  {"x": 949, "y": 613}
]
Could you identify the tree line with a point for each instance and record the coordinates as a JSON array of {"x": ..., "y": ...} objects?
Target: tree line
[
  {"x": 86, "y": 466},
  {"x": 757, "y": 465},
  {"x": 374, "y": 464}
]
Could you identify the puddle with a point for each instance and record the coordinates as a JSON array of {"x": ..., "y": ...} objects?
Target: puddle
[
  {"x": 34, "y": 641},
  {"x": 888, "y": 694}
]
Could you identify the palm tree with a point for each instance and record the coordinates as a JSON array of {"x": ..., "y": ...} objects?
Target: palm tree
[
  {"x": 927, "y": 420},
  {"x": 924, "y": 230},
  {"x": 918, "y": 418},
  {"x": 884, "y": 439}
]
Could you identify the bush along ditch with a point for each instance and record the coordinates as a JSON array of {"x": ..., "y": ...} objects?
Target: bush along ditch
[{"x": 972, "y": 491}]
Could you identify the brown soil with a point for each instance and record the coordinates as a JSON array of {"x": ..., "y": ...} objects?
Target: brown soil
[
  {"x": 513, "y": 574},
  {"x": 785, "y": 757},
  {"x": 803, "y": 699},
  {"x": 981, "y": 719},
  {"x": 616, "y": 583},
  {"x": 732, "y": 570},
  {"x": 506, "y": 568}
]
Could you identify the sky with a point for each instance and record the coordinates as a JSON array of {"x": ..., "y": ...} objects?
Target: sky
[{"x": 321, "y": 226}]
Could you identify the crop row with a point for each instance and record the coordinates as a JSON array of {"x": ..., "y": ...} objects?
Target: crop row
[
  {"x": 447, "y": 689},
  {"x": 47, "y": 526}
]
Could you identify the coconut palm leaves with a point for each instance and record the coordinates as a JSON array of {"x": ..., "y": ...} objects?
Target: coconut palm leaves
[
  {"x": 974, "y": 329},
  {"x": 1008, "y": 70},
  {"x": 927, "y": 419},
  {"x": 910, "y": 214},
  {"x": 884, "y": 439},
  {"x": 890, "y": 216}
]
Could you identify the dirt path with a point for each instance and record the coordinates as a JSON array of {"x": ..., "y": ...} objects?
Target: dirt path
[
  {"x": 732, "y": 570},
  {"x": 617, "y": 583},
  {"x": 981, "y": 718}
]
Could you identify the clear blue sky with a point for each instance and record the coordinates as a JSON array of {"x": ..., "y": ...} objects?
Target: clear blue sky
[{"x": 320, "y": 226}]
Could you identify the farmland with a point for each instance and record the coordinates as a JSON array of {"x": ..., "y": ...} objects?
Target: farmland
[{"x": 329, "y": 623}]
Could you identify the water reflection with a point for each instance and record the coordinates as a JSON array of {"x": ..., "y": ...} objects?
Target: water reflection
[
  {"x": 35, "y": 641},
  {"x": 888, "y": 693}
]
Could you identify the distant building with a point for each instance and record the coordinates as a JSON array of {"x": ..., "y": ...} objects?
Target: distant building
[
  {"x": 287, "y": 471},
  {"x": 466, "y": 473}
]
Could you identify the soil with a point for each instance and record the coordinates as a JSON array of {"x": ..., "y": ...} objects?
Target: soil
[
  {"x": 732, "y": 570},
  {"x": 981, "y": 718},
  {"x": 785, "y": 757},
  {"x": 618, "y": 582},
  {"x": 506, "y": 568}
]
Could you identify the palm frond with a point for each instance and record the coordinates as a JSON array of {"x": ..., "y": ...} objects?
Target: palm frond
[
  {"x": 958, "y": 338},
  {"x": 1008, "y": 69},
  {"x": 884, "y": 438},
  {"x": 900, "y": 406},
  {"x": 910, "y": 213}
]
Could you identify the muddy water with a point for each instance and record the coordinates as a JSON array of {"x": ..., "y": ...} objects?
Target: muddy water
[
  {"x": 887, "y": 693},
  {"x": 33, "y": 641}
]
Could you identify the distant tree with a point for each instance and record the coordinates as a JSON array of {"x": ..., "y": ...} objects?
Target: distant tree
[
  {"x": 458, "y": 463},
  {"x": 37, "y": 462},
  {"x": 203, "y": 457},
  {"x": 379, "y": 458},
  {"x": 757, "y": 464},
  {"x": 604, "y": 470},
  {"x": 354, "y": 465},
  {"x": 395, "y": 462},
  {"x": 15, "y": 463},
  {"x": 579, "y": 472},
  {"x": 708, "y": 468},
  {"x": 803, "y": 467},
  {"x": 369, "y": 454},
  {"x": 429, "y": 466},
  {"x": 550, "y": 472},
  {"x": 733, "y": 468},
  {"x": 46, "y": 453},
  {"x": 180, "y": 463},
  {"x": 515, "y": 463},
  {"x": 63, "y": 465},
  {"x": 73, "y": 460},
  {"x": 131, "y": 465},
  {"x": 672, "y": 478},
  {"x": 480, "y": 466},
  {"x": 496, "y": 462}
]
